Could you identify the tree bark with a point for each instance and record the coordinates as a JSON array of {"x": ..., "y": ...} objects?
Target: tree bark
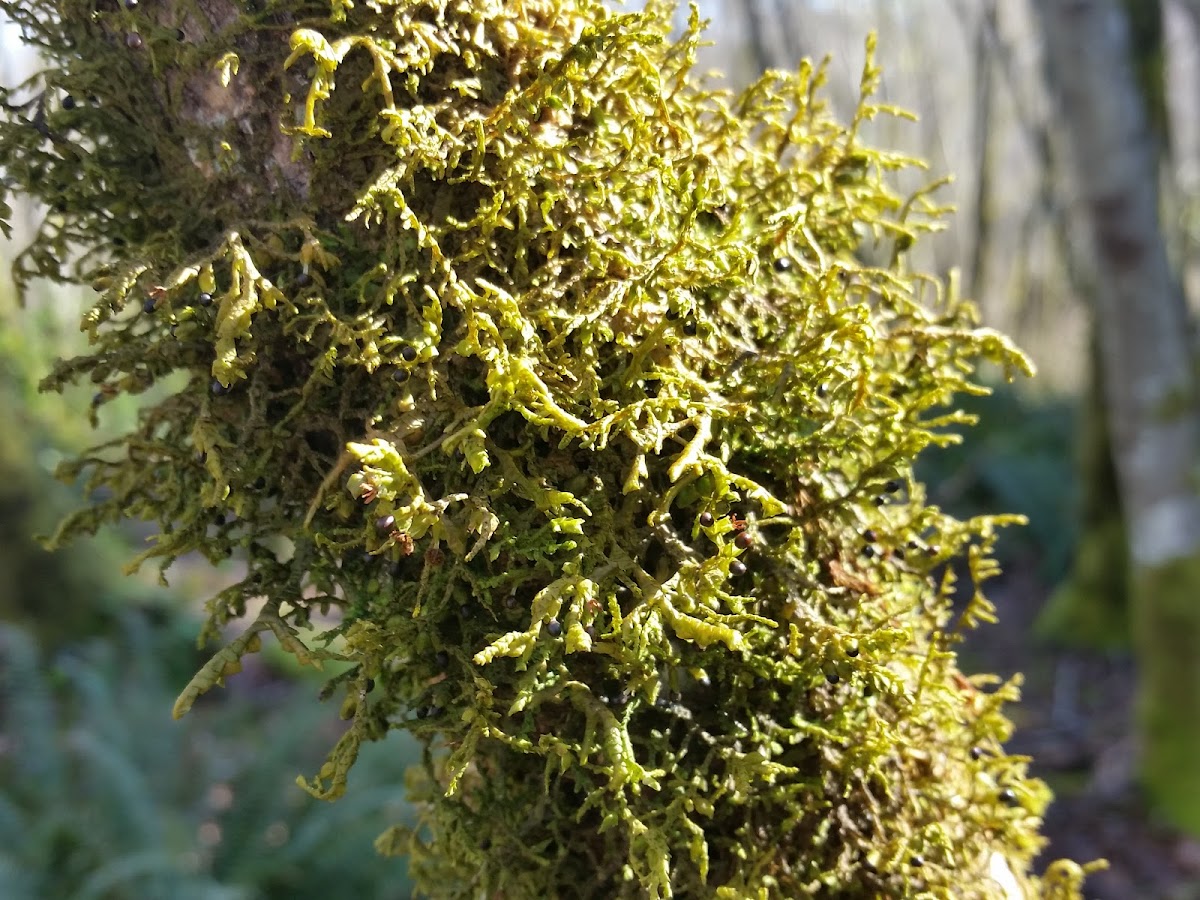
[{"x": 1150, "y": 382}]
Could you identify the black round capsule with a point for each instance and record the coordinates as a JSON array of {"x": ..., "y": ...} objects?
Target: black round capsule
[
  {"x": 672, "y": 315},
  {"x": 870, "y": 536},
  {"x": 977, "y": 753},
  {"x": 737, "y": 568},
  {"x": 868, "y": 551},
  {"x": 384, "y": 524},
  {"x": 898, "y": 553},
  {"x": 303, "y": 279},
  {"x": 852, "y": 651},
  {"x": 510, "y": 602},
  {"x": 892, "y": 486},
  {"x": 743, "y": 541},
  {"x": 822, "y": 391},
  {"x": 68, "y": 102},
  {"x": 259, "y": 483},
  {"x": 219, "y": 389},
  {"x": 554, "y": 627},
  {"x": 690, "y": 328},
  {"x": 149, "y": 305},
  {"x": 205, "y": 299},
  {"x": 706, "y": 519},
  {"x": 131, "y": 4},
  {"x": 1008, "y": 797},
  {"x": 400, "y": 376},
  {"x": 408, "y": 353},
  {"x": 97, "y": 399},
  {"x": 917, "y": 861},
  {"x": 368, "y": 685},
  {"x": 590, "y": 631},
  {"x": 179, "y": 35},
  {"x": 783, "y": 264},
  {"x": 422, "y": 712},
  {"x": 832, "y": 677},
  {"x": 134, "y": 41}
]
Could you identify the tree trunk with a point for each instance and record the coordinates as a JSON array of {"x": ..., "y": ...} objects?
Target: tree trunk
[{"x": 1150, "y": 383}]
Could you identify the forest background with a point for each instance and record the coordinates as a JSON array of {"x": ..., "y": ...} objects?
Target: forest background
[{"x": 102, "y": 796}]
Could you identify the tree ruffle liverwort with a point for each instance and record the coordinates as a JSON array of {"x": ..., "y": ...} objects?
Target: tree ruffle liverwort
[{"x": 536, "y": 380}]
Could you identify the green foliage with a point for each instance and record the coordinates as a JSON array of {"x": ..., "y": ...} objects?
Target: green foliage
[
  {"x": 66, "y": 597},
  {"x": 549, "y": 370},
  {"x": 104, "y": 799},
  {"x": 1018, "y": 455}
]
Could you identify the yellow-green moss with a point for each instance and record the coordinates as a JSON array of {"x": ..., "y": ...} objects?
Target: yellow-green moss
[{"x": 550, "y": 369}]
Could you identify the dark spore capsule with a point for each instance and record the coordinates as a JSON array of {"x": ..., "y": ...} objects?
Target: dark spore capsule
[
  {"x": 743, "y": 541},
  {"x": 783, "y": 264},
  {"x": 852, "y": 651},
  {"x": 134, "y": 41},
  {"x": 977, "y": 753},
  {"x": 917, "y": 861},
  {"x": 870, "y": 536},
  {"x": 97, "y": 399},
  {"x": 510, "y": 602},
  {"x": 1008, "y": 797},
  {"x": 400, "y": 376},
  {"x": 822, "y": 391},
  {"x": 892, "y": 486},
  {"x": 149, "y": 305},
  {"x": 868, "y": 551},
  {"x": 384, "y": 524},
  {"x": 303, "y": 280},
  {"x": 218, "y": 389},
  {"x": 554, "y": 627},
  {"x": 408, "y": 353},
  {"x": 706, "y": 519},
  {"x": 179, "y": 35},
  {"x": 737, "y": 568},
  {"x": 131, "y": 4},
  {"x": 205, "y": 299},
  {"x": 672, "y": 315},
  {"x": 369, "y": 685},
  {"x": 68, "y": 102},
  {"x": 259, "y": 483},
  {"x": 690, "y": 328},
  {"x": 832, "y": 677},
  {"x": 590, "y": 631}
]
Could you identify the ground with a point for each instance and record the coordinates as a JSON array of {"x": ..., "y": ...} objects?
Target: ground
[{"x": 1075, "y": 720}]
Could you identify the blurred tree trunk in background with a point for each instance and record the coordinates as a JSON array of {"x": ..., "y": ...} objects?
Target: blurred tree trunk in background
[
  {"x": 773, "y": 32},
  {"x": 1091, "y": 607},
  {"x": 1150, "y": 381}
]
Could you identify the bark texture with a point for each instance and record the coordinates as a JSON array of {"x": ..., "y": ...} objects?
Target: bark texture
[{"x": 1149, "y": 373}]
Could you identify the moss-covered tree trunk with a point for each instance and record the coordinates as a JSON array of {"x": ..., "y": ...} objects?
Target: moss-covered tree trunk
[
  {"x": 553, "y": 377},
  {"x": 1150, "y": 380}
]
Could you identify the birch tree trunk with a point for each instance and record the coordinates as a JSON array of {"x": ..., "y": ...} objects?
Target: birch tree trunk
[{"x": 1150, "y": 381}]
